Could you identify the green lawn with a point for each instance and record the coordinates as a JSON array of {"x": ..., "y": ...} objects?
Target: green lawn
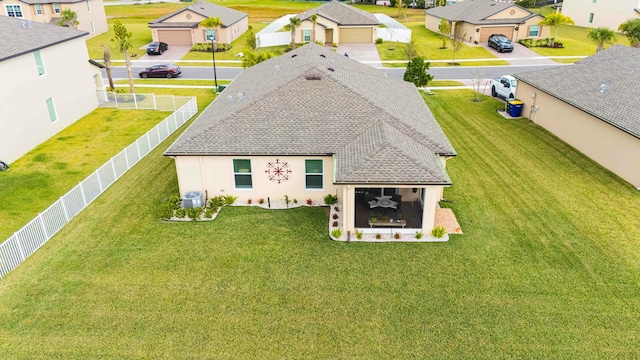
[
  {"x": 548, "y": 268},
  {"x": 50, "y": 170}
]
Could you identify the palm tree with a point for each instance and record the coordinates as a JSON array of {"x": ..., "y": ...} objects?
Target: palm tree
[
  {"x": 294, "y": 22},
  {"x": 107, "y": 65},
  {"x": 213, "y": 23},
  {"x": 556, "y": 20},
  {"x": 122, "y": 40},
  {"x": 601, "y": 36},
  {"x": 631, "y": 28},
  {"x": 314, "y": 18},
  {"x": 69, "y": 18}
]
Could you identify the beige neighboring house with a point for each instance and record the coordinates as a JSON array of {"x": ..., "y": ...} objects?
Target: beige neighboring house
[
  {"x": 311, "y": 123},
  {"x": 601, "y": 13},
  {"x": 479, "y": 19},
  {"x": 182, "y": 27},
  {"x": 91, "y": 15},
  {"x": 48, "y": 83},
  {"x": 338, "y": 23},
  {"x": 592, "y": 106}
]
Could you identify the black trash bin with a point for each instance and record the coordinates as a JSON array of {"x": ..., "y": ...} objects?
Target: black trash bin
[{"x": 514, "y": 108}]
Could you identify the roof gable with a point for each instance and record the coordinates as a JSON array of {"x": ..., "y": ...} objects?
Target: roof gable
[
  {"x": 481, "y": 12},
  {"x": 341, "y": 14},
  {"x": 580, "y": 85},
  {"x": 311, "y": 101},
  {"x": 20, "y": 36},
  {"x": 227, "y": 16}
]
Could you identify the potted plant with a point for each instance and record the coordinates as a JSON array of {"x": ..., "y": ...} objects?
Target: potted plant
[
  {"x": 373, "y": 219},
  {"x": 398, "y": 217}
]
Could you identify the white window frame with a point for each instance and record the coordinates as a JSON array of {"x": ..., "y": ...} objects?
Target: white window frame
[
  {"x": 88, "y": 6},
  {"x": 42, "y": 71},
  {"x": 39, "y": 10},
  {"x": 51, "y": 109},
  {"x": 537, "y": 31},
  {"x": 250, "y": 173},
  {"x": 56, "y": 8},
  {"x": 321, "y": 174},
  {"x": 15, "y": 9},
  {"x": 306, "y": 33}
]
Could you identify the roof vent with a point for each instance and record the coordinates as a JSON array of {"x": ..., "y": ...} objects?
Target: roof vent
[
  {"x": 313, "y": 76},
  {"x": 323, "y": 55},
  {"x": 25, "y": 24},
  {"x": 603, "y": 88},
  {"x": 276, "y": 69},
  {"x": 229, "y": 99},
  {"x": 332, "y": 65},
  {"x": 241, "y": 96},
  {"x": 294, "y": 55}
]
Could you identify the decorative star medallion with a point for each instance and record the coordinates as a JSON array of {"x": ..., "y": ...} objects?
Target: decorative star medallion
[{"x": 278, "y": 171}]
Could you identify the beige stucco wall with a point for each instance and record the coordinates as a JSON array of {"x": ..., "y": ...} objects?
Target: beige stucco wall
[
  {"x": 69, "y": 80},
  {"x": 605, "y": 144},
  {"x": 225, "y": 34},
  {"x": 513, "y": 12},
  {"x": 91, "y": 14},
  {"x": 432, "y": 23},
  {"x": 324, "y": 24},
  {"x": 605, "y": 13}
]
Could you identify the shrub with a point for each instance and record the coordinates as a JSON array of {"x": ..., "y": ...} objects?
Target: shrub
[
  {"x": 397, "y": 236},
  {"x": 194, "y": 213},
  {"x": 335, "y": 216},
  {"x": 358, "y": 234},
  {"x": 216, "y": 201},
  {"x": 438, "y": 231},
  {"x": 230, "y": 199},
  {"x": 309, "y": 202},
  {"x": 249, "y": 201},
  {"x": 335, "y": 224},
  {"x": 330, "y": 199},
  {"x": 419, "y": 234},
  {"x": 337, "y": 209},
  {"x": 181, "y": 213},
  {"x": 336, "y": 233},
  {"x": 261, "y": 201},
  {"x": 206, "y": 47},
  {"x": 295, "y": 201},
  {"x": 209, "y": 211},
  {"x": 167, "y": 211},
  {"x": 286, "y": 200},
  {"x": 379, "y": 41},
  {"x": 526, "y": 42},
  {"x": 378, "y": 236}
]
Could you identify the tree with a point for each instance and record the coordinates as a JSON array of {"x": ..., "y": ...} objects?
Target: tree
[
  {"x": 444, "y": 31},
  {"x": 411, "y": 50},
  {"x": 601, "y": 36},
  {"x": 294, "y": 22},
  {"x": 69, "y": 18},
  {"x": 631, "y": 29},
  {"x": 457, "y": 42},
  {"x": 314, "y": 18},
  {"x": 213, "y": 23},
  {"x": 555, "y": 20},
  {"x": 123, "y": 41},
  {"x": 417, "y": 72},
  {"x": 252, "y": 41},
  {"x": 401, "y": 6},
  {"x": 107, "y": 64}
]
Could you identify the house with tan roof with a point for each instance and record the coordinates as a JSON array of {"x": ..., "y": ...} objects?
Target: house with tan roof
[
  {"x": 479, "y": 19},
  {"x": 593, "y": 13},
  {"x": 591, "y": 106},
  {"x": 182, "y": 27},
  {"x": 48, "y": 83},
  {"x": 311, "y": 123},
  {"x": 91, "y": 15},
  {"x": 338, "y": 23}
]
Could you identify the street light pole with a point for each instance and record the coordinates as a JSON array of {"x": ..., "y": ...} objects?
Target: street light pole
[{"x": 213, "y": 53}]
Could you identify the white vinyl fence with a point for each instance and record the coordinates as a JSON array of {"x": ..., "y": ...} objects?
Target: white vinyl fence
[
  {"x": 137, "y": 101},
  {"x": 37, "y": 232},
  {"x": 394, "y": 31},
  {"x": 269, "y": 36}
]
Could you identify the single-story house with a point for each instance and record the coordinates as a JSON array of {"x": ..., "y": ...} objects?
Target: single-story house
[
  {"x": 338, "y": 23},
  {"x": 479, "y": 19},
  {"x": 591, "y": 106},
  {"x": 311, "y": 123},
  {"x": 91, "y": 15},
  {"x": 590, "y": 13},
  {"x": 48, "y": 83},
  {"x": 182, "y": 27}
]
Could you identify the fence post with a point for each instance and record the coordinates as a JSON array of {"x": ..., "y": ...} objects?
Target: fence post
[
  {"x": 174, "y": 99},
  {"x": 15, "y": 235},
  {"x": 135, "y": 101},
  {"x": 148, "y": 140},
  {"x": 155, "y": 106},
  {"x": 115, "y": 97},
  {"x": 84, "y": 199},
  {"x": 113, "y": 167},
  {"x": 99, "y": 181},
  {"x": 44, "y": 228},
  {"x": 138, "y": 148},
  {"x": 64, "y": 208}
]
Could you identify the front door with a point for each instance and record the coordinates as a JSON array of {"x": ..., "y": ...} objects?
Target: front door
[{"x": 328, "y": 36}]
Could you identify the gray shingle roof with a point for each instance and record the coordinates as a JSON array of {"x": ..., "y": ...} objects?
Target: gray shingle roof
[
  {"x": 579, "y": 85},
  {"x": 21, "y": 36},
  {"x": 477, "y": 12},
  {"x": 227, "y": 16},
  {"x": 379, "y": 129},
  {"x": 341, "y": 14}
]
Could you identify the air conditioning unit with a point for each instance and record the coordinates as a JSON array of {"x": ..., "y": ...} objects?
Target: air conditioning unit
[{"x": 192, "y": 199}]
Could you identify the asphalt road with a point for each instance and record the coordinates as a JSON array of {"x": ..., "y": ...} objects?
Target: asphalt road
[{"x": 443, "y": 73}]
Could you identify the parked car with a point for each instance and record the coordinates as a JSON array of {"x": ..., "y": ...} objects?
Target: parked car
[
  {"x": 160, "y": 70},
  {"x": 157, "y": 48},
  {"x": 500, "y": 43}
]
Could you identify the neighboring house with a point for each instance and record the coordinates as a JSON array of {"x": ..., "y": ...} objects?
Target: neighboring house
[
  {"x": 310, "y": 123},
  {"x": 91, "y": 15},
  {"x": 601, "y": 13},
  {"x": 591, "y": 106},
  {"x": 338, "y": 23},
  {"x": 47, "y": 83},
  {"x": 478, "y": 19},
  {"x": 182, "y": 27}
]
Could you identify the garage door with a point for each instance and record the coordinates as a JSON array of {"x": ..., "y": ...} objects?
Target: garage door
[
  {"x": 175, "y": 37},
  {"x": 488, "y": 31},
  {"x": 356, "y": 35}
]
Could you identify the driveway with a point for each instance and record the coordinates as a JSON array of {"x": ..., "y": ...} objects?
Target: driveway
[
  {"x": 363, "y": 52},
  {"x": 521, "y": 55},
  {"x": 175, "y": 53}
]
